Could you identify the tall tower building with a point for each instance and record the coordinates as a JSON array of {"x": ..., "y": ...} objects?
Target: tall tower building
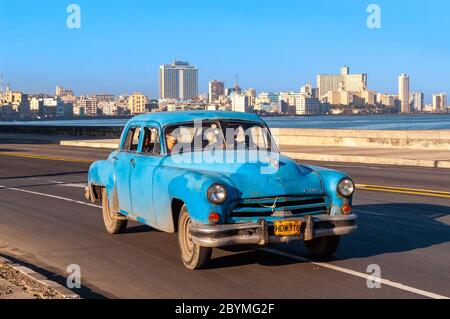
[
  {"x": 178, "y": 80},
  {"x": 403, "y": 93},
  {"x": 215, "y": 89}
]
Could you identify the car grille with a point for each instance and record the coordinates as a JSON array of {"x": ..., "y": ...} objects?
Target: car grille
[{"x": 279, "y": 206}]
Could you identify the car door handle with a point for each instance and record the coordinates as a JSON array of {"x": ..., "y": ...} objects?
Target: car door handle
[
  {"x": 133, "y": 162},
  {"x": 115, "y": 158}
]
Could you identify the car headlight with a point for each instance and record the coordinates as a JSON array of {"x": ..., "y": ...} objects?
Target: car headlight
[
  {"x": 346, "y": 187},
  {"x": 217, "y": 193}
]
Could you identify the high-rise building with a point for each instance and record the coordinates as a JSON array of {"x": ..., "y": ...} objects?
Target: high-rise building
[
  {"x": 417, "y": 101},
  {"x": 403, "y": 93},
  {"x": 178, "y": 80},
  {"x": 239, "y": 103},
  {"x": 215, "y": 89},
  {"x": 439, "y": 103},
  {"x": 332, "y": 82},
  {"x": 89, "y": 104},
  {"x": 137, "y": 102}
]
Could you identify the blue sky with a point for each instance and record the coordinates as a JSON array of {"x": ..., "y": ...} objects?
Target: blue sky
[{"x": 271, "y": 44}]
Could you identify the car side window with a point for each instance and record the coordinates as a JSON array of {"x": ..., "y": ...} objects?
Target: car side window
[
  {"x": 132, "y": 139},
  {"x": 152, "y": 143}
]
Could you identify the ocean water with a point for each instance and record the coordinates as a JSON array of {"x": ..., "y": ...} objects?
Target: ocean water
[{"x": 357, "y": 122}]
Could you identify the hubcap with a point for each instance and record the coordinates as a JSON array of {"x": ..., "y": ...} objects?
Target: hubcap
[{"x": 187, "y": 243}]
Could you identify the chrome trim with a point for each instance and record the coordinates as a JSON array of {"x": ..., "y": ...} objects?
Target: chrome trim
[{"x": 207, "y": 235}]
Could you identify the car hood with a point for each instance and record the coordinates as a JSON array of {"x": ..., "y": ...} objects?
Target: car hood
[{"x": 270, "y": 175}]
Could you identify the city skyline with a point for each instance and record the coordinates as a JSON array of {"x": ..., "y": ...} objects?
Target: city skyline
[
  {"x": 273, "y": 54},
  {"x": 179, "y": 81}
]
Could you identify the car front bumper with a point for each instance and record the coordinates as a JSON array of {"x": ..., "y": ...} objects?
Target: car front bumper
[{"x": 261, "y": 233}]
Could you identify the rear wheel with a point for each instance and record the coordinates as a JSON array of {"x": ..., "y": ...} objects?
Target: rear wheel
[
  {"x": 323, "y": 247},
  {"x": 192, "y": 255},
  {"x": 114, "y": 222}
]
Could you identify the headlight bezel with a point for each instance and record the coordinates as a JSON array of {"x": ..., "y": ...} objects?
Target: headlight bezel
[
  {"x": 210, "y": 193},
  {"x": 339, "y": 187}
]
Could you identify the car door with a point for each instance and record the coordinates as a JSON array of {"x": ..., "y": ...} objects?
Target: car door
[
  {"x": 148, "y": 160},
  {"x": 124, "y": 162}
]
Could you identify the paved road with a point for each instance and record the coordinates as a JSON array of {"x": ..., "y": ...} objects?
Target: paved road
[{"x": 45, "y": 221}]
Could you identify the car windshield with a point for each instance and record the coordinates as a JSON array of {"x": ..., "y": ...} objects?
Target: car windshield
[{"x": 218, "y": 135}]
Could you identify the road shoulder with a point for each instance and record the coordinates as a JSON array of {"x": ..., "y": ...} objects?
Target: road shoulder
[{"x": 20, "y": 282}]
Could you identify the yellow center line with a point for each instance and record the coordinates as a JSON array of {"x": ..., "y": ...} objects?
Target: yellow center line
[
  {"x": 401, "y": 190},
  {"x": 50, "y": 158}
]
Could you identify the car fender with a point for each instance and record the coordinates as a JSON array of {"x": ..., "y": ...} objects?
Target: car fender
[
  {"x": 190, "y": 187},
  {"x": 102, "y": 174},
  {"x": 330, "y": 179}
]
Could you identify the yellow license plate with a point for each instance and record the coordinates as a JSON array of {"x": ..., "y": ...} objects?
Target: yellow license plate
[{"x": 287, "y": 227}]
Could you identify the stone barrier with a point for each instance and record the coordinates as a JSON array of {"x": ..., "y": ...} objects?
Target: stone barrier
[{"x": 436, "y": 140}]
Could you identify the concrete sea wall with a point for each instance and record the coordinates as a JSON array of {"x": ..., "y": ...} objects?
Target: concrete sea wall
[
  {"x": 433, "y": 140},
  {"x": 436, "y": 140}
]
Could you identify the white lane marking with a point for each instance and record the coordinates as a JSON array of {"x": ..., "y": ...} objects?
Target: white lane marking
[
  {"x": 49, "y": 195},
  {"x": 354, "y": 166},
  {"x": 359, "y": 274},
  {"x": 369, "y": 213},
  {"x": 60, "y": 183},
  {"x": 274, "y": 251},
  {"x": 54, "y": 181},
  {"x": 76, "y": 185}
]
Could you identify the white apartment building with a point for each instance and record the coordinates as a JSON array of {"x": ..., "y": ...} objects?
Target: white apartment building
[
  {"x": 108, "y": 108},
  {"x": 89, "y": 104},
  {"x": 239, "y": 103},
  {"x": 178, "y": 80}
]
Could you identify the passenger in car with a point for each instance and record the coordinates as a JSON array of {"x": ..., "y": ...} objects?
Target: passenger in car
[{"x": 171, "y": 140}]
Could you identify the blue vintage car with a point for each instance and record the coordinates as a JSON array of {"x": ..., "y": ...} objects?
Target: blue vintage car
[{"x": 218, "y": 179}]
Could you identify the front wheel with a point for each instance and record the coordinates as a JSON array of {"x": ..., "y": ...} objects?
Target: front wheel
[
  {"x": 323, "y": 247},
  {"x": 192, "y": 255}
]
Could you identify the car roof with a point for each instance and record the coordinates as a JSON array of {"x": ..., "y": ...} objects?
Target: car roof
[{"x": 165, "y": 118}]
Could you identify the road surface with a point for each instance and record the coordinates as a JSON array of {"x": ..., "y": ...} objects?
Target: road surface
[{"x": 46, "y": 222}]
